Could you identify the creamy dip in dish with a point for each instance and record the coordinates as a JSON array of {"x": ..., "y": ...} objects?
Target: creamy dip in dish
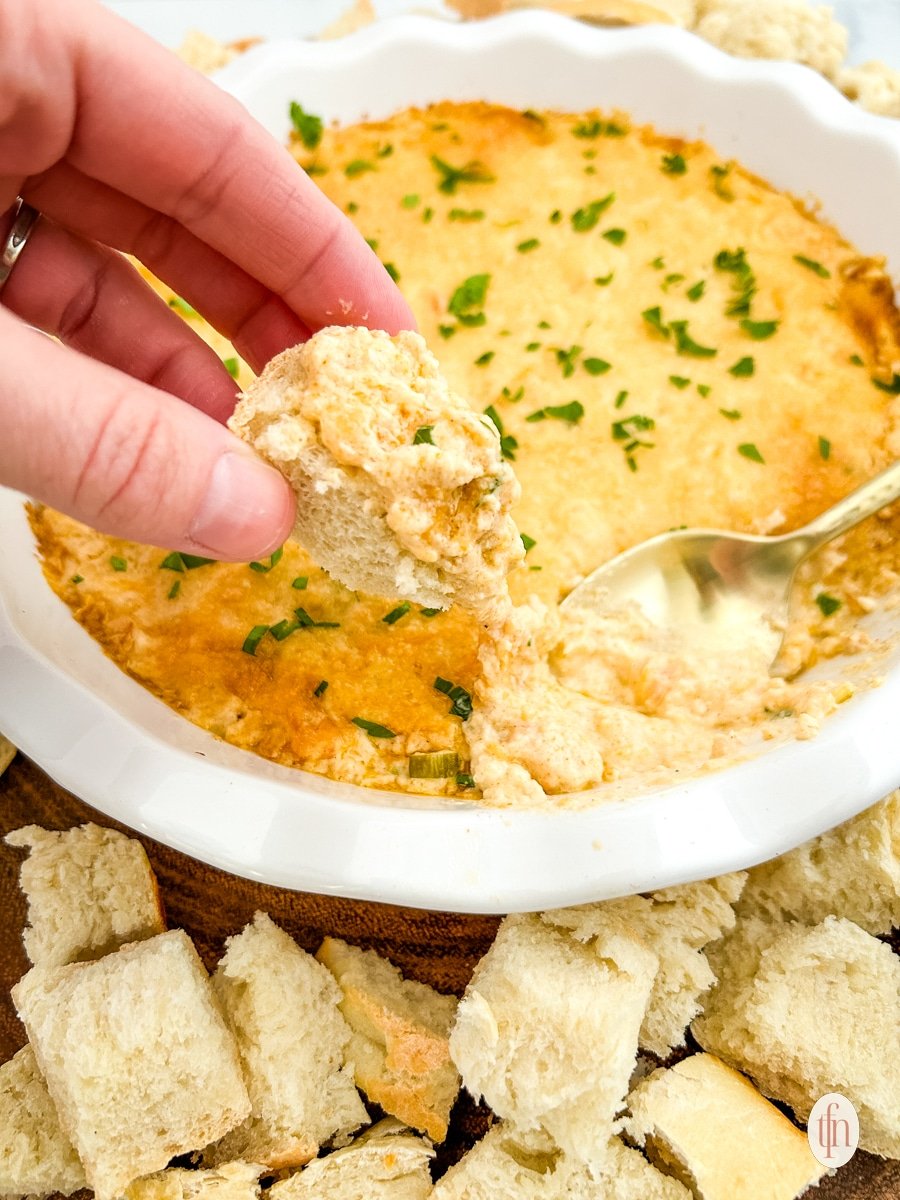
[{"x": 661, "y": 340}]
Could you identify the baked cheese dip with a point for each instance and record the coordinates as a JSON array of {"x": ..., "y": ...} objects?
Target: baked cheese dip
[{"x": 661, "y": 340}]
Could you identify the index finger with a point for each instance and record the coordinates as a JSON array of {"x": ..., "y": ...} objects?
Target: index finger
[{"x": 184, "y": 147}]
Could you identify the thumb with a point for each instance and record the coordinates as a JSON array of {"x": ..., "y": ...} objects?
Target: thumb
[{"x": 128, "y": 459}]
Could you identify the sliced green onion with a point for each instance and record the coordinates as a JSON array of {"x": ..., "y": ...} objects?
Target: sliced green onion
[{"x": 433, "y": 764}]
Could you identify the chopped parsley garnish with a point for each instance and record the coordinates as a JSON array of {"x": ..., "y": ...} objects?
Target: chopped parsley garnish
[
  {"x": 856, "y": 360},
  {"x": 544, "y": 325},
  {"x": 264, "y": 568},
  {"x": 586, "y": 218},
  {"x": 446, "y": 331},
  {"x": 731, "y": 414},
  {"x": 461, "y": 705},
  {"x": 177, "y": 561},
  {"x": 824, "y": 448},
  {"x": 604, "y": 280},
  {"x": 673, "y": 164},
  {"x": 466, "y": 214},
  {"x": 828, "y": 604},
  {"x": 464, "y": 780},
  {"x": 423, "y": 436},
  {"x": 743, "y": 368},
  {"x": 372, "y": 728},
  {"x": 429, "y": 612},
  {"x": 117, "y": 563},
  {"x": 567, "y": 360},
  {"x": 743, "y": 285},
  {"x": 396, "y": 613},
  {"x": 720, "y": 173},
  {"x": 508, "y": 444},
  {"x": 321, "y": 688},
  {"x": 654, "y": 318},
  {"x": 892, "y": 388},
  {"x": 182, "y": 306},
  {"x": 528, "y": 542},
  {"x": 358, "y": 166},
  {"x": 513, "y": 396},
  {"x": 696, "y": 291},
  {"x": 232, "y": 366},
  {"x": 384, "y": 151},
  {"x": 466, "y": 302},
  {"x": 620, "y": 399},
  {"x": 253, "y": 638},
  {"x": 616, "y": 236},
  {"x": 572, "y": 412},
  {"x": 308, "y": 126},
  {"x": 174, "y": 589},
  {"x": 812, "y": 265},
  {"x": 352, "y": 207},
  {"x": 679, "y": 381},
  {"x": 593, "y": 129},
  {"x": 528, "y": 244},
  {"x": 596, "y": 366},
  {"x": 299, "y": 584},
  {"x": 658, "y": 263},
  {"x": 704, "y": 389},
  {"x": 670, "y": 280},
  {"x": 77, "y": 579},
  {"x": 427, "y": 214},
  {"x": 685, "y": 344},
  {"x": 749, "y": 450},
  {"x": 759, "y": 330},
  {"x": 392, "y": 271},
  {"x": 532, "y": 346},
  {"x": 555, "y": 217},
  {"x": 410, "y": 201},
  {"x": 452, "y": 177},
  {"x": 484, "y": 359},
  {"x": 627, "y": 431}
]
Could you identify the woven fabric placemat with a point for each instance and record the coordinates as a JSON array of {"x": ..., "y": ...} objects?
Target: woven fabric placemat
[{"x": 437, "y": 948}]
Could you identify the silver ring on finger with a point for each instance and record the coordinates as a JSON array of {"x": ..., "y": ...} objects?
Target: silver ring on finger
[{"x": 24, "y": 220}]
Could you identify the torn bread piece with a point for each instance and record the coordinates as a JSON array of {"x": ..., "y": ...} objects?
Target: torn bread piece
[
  {"x": 537, "y": 999},
  {"x": 853, "y": 870},
  {"x": 706, "y": 1123},
  {"x": 806, "y": 1010},
  {"x": 89, "y": 889},
  {"x": 872, "y": 85},
  {"x": 386, "y": 1163},
  {"x": 788, "y": 30},
  {"x": 7, "y": 753},
  {"x": 282, "y": 1007},
  {"x": 509, "y": 1165},
  {"x": 400, "y": 1046},
  {"x": 36, "y": 1157},
  {"x": 677, "y": 923},
  {"x": 402, "y": 490},
  {"x": 136, "y": 1055},
  {"x": 230, "y": 1181}
]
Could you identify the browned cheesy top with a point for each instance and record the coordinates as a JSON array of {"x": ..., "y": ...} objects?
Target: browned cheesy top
[{"x": 662, "y": 340}]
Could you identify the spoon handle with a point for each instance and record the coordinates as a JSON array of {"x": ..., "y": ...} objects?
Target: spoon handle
[{"x": 848, "y": 512}]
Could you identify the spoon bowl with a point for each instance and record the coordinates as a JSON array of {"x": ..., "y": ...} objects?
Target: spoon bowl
[{"x": 728, "y": 589}]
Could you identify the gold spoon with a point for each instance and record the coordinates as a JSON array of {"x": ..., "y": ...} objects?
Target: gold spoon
[{"x": 728, "y": 589}]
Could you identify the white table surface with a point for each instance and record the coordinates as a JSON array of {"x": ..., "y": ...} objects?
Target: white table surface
[{"x": 874, "y": 25}]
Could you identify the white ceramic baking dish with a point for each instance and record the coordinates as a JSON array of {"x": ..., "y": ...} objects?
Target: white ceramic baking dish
[{"x": 104, "y": 737}]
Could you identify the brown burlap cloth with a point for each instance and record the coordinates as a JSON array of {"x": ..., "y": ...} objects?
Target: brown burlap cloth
[{"x": 438, "y": 948}]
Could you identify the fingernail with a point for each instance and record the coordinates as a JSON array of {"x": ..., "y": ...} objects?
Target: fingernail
[{"x": 247, "y": 510}]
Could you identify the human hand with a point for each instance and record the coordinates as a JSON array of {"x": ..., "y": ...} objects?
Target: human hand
[{"x": 123, "y": 148}]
